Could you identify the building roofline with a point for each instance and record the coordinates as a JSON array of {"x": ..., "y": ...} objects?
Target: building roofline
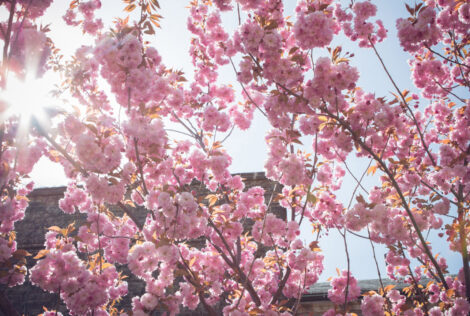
[{"x": 47, "y": 191}]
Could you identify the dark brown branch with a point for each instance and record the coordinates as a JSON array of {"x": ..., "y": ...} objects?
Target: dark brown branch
[
  {"x": 463, "y": 249},
  {"x": 278, "y": 293},
  {"x": 435, "y": 191},
  {"x": 389, "y": 175},
  {"x": 463, "y": 234},
  {"x": 131, "y": 215},
  {"x": 241, "y": 275},
  {"x": 194, "y": 281},
  {"x": 399, "y": 192}
]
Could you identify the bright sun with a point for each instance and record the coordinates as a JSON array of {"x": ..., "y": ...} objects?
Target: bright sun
[{"x": 27, "y": 98}]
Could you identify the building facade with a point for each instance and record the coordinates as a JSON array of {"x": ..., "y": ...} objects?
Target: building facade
[{"x": 44, "y": 211}]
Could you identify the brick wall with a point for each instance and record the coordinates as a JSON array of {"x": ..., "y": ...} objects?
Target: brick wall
[{"x": 43, "y": 212}]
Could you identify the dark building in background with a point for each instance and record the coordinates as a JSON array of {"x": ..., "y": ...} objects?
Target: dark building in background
[{"x": 44, "y": 211}]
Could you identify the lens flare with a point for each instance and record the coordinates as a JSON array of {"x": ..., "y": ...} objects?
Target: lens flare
[{"x": 26, "y": 99}]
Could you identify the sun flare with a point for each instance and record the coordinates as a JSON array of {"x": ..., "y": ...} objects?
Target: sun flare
[{"x": 26, "y": 98}]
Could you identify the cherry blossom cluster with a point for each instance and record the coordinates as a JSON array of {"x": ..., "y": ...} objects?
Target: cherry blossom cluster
[
  {"x": 140, "y": 150},
  {"x": 89, "y": 24},
  {"x": 61, "y": 271}
]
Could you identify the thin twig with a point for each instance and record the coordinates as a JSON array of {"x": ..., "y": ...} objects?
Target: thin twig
[
  {"x": 448, "y": 91},
  {"x": 346, "y": 291},
  {"x": 176, "y": 131},
  {"x": 397, "y": 188},
  {"x": 421, "y": 136},
  {"x": 435, "y": 191},
  {"x": 375, "y": 259},
  {"x": 59, "y": 148},
  {"x": 443, "y": 57},
  {"x": 358, "y": 181},
  {"x": 246, "y": 92}
]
